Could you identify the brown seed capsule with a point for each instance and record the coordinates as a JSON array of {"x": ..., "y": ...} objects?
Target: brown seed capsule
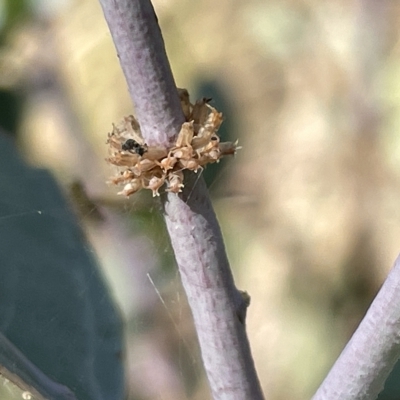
[{"x": 149, "y": 167}]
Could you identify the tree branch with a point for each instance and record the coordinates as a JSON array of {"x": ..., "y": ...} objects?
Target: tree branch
[
  {"x": 217, "y": 306},
  {"x": 365, "y": 363},
  {"x": 141, "y": 52}
]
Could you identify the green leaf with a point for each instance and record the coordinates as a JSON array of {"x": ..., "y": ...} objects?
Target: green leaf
[{"x": 54, "y": 305}]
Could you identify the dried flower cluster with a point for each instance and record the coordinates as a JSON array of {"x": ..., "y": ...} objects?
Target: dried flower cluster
[{"x": 149, "y": 167}]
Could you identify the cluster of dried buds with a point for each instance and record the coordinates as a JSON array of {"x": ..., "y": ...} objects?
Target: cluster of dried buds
[{"x": 149, "y": 167}]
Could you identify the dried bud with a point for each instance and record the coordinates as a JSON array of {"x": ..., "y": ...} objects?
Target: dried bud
[{"x": 149, "y": 167}]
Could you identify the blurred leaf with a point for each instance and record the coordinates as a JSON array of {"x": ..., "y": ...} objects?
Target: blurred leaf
[
  {"x": 10, "y": 391},
  {"x": 392, "y": 385},
  {"x": 22, "y": 379},
  {"x": 13, "y": 12},
  {"x": 54, "y": 306},
  {"x": 10, "y": 110}
]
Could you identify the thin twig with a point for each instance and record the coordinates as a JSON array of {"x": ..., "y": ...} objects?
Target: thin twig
[
  {"x": 365, "y": 363},
  {"x": 217, "y": 306}
]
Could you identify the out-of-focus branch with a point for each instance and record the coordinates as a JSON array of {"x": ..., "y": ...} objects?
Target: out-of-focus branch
[
  {"x": 365, "y": 363},
  {"x": 217, "y": 306}
]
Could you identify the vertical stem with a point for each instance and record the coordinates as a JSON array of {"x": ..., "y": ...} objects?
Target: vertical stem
[
  {"x": 217, "y": 306},
  {"x": 141, "y": 52}
]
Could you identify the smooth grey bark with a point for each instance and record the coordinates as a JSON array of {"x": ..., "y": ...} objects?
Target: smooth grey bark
[
  {"x": 217, "y": 306},
  {"x": 141, "y": 52},
  {"x": 365, "y": 363}
]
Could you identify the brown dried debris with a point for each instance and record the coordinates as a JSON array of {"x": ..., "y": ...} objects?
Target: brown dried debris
[{"x": 149, "y": 167}]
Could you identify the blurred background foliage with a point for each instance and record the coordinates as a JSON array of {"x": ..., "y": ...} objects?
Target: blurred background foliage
[{"x": 309, "y": 207}]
